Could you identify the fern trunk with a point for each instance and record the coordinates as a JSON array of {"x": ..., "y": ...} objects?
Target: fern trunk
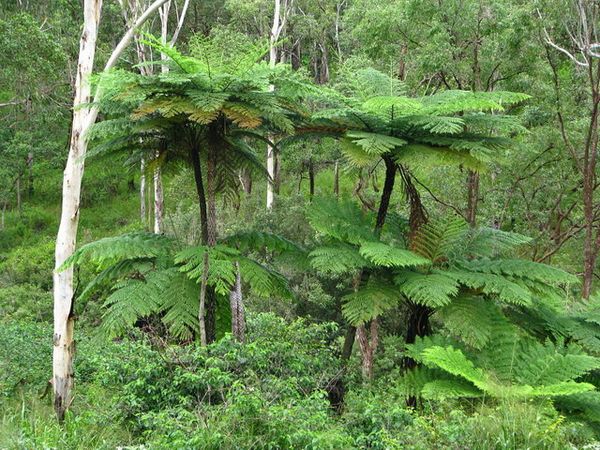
[
  {"x": 472, "y": 197},
  {"x": 211, "y": 224},
  {"x": 384, "y": 205},
  {"x": 210, "y": 295},
  {"x": 386, "y": 194},
  {"x": 236, "y": 300}
]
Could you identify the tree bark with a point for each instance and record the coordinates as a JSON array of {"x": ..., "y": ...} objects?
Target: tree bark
[
  {"x": 386, "y": 194},
  {"x": 83, "y": 118},
  {"x": 592, "y": 240},
  {"x": 472, "y": 197},
  {"x": 64, "y": 344},
  {"x": 143, "y": 213},
  {"x": 311, "y": 179},
  {"x": 384, "y": 204},
  {"x": 368, "y": 343},
  {"x": 336, "y": 179},
  {"x": 202, "y": 307},
  {"x": 18, "y": 192},
  {"x": 159, "y": 203},
  {"x": 211, "y": 225},
  {"x": 279, "y": 19},
  {"x": 30, "y": 169},
  {"x": 195, "y": 159},
  {"x": 236, "y": 301}
]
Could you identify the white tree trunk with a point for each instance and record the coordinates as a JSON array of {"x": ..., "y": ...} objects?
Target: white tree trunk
[
  {"x": 143, "y": 216},
  {"x": 83, "y": 118},
  {"x": 64, "y": 346},
  {"x": 275, "y": 32}
]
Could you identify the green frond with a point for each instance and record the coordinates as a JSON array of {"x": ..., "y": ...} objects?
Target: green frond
[
  {"x": 454, "y": 362},
  {"x": 368, "y": 302},
  {"x": 263, "y": 281},
  {"x": 373, "y": 143},
  {"x": 437, "y": 239},
  {"x": 491, "y": 242},
  {"x": 355, "y": 155},
  {"x": 445, "y": 389},
  {"x": 438, "y": 124},
  {"x": 341, "y": 220},
  {"x": 221, "y": 268},
  {"x": 385, "y": 255},
  {"x": 422, "y": 157},
  {"x": 337, "y": 259},
  {"x": 134, "y": 298},
  {"x": 260, "y": 240},
  {"x": 523, "y": 269},
  {"x": 107, "y": 251},
  {"x": 491, "y": 284},
  {"x": 586, "y": 405},
  {"x": 470, "y": 319},
  {"x": 115, "y": 272},
  {"x": 180, "y": 306},
  {"x": 548, "y": 363},
  {"x": 431, "y": 289}
]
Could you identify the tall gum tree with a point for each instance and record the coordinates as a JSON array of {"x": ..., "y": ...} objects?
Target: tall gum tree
[
  {"x": 83, "y": 118},
  {"x": 583, "y": 30}
]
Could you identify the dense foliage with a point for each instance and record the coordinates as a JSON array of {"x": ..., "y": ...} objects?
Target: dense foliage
[{"x": 425, "y": 276}]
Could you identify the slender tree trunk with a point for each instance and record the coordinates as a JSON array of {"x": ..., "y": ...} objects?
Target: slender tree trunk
[
  {"x": 386, "y": 194},
  {"x": 64, "y": 344},
  {"x": 472, "y": 197},
  {"x": 336, "y": 179},
  {"x": 384, "y": 204},
  {"x": 279, "y": 20},
  {"x": 83, "y": 118},
  {"x": 311, "y": 179},
  {"x": 30, "y": 169},
  {"x": 592, "y": 240},
  {"x": 236, "y": 300},
  {"x": 418, "y": 325},
  {"x": 208, "y": 230},
  {"x": 211, "y": 222},
  {"x": 143, "y": 214},
  {"x": 277, "y": 170},
  {"x": 202, "y": 307},
  {"x": 159, "y": 203},
  {"x": 368, "y": 343},
  {"x": 18, "y": 192},
  {"x": 195, "y": 158}
]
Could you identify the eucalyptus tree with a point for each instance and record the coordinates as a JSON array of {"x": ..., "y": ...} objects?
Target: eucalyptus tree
[
  {"x": 83, "y": 118},
  {"x": 579, "y": 23}
]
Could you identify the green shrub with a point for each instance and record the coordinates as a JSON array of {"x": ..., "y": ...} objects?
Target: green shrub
[
  {"x": 25, "y": 302},
  {"x": 30, "y": 264},
  {"x": 25, "y": 356}
]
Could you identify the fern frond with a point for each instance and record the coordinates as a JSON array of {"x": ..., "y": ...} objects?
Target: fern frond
[
  {"x": 469, "y": 318},
  {"x": 337, "y": 259},
  {"x": 437, "y": 239},
  {"x": 107, "y": 251},
  {"x": 385, "y": 255},
  {"x": 368, "y": 302},
  {"x": 521, "y": 268},
  {"x": 343, "y": 221},
  {"x": 431, "y": 289}
]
